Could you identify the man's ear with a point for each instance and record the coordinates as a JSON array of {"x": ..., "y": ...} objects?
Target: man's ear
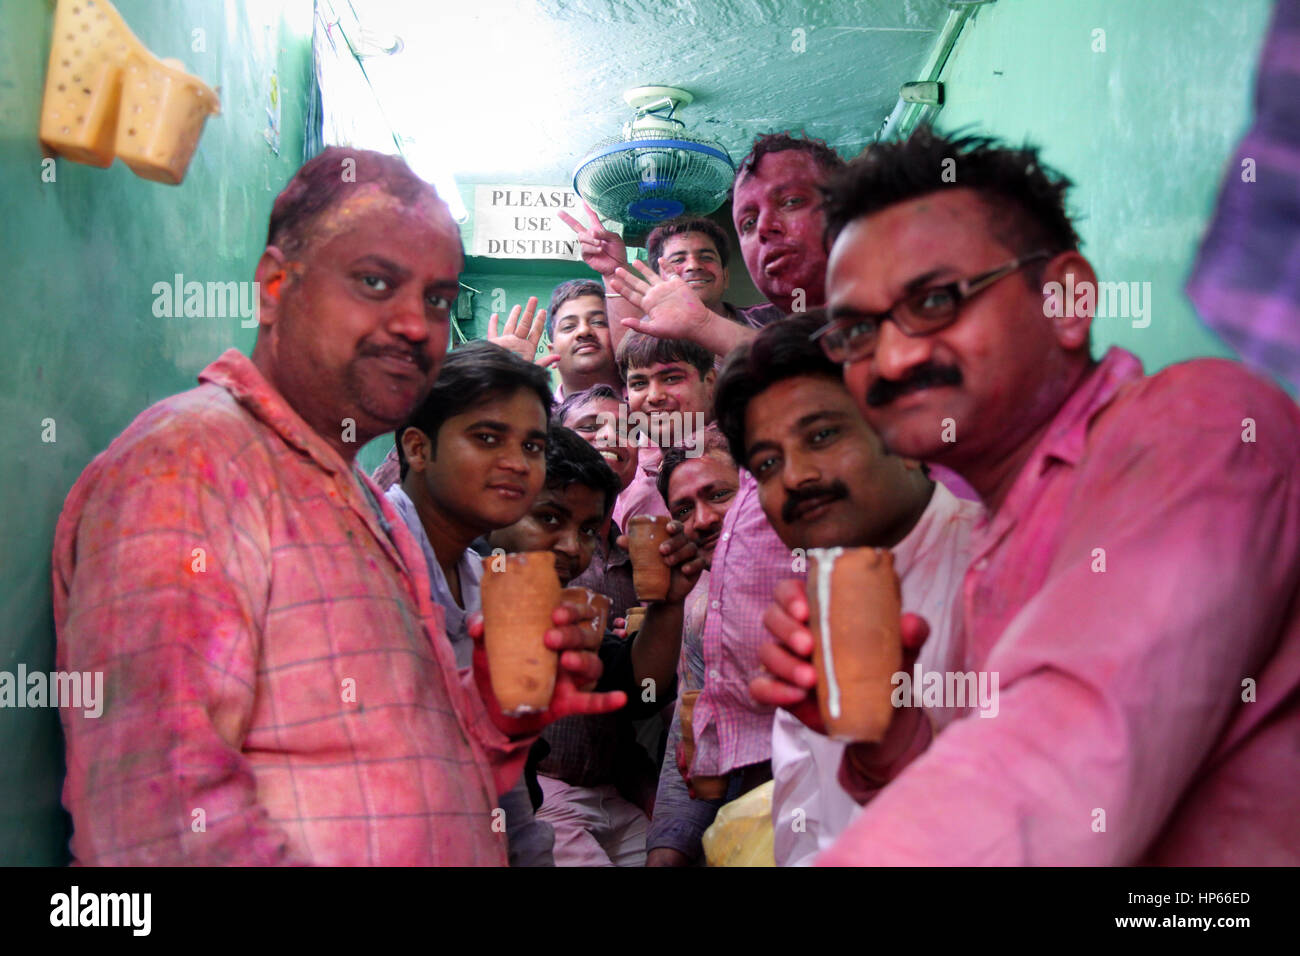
[
  {"x": 271, "y": 274},
  {"x": 1070, "y": 298},
  {"x": 726, "y": 278},
  {"x": 710, "y": 379},
  {"x": 417, "y": 448}
]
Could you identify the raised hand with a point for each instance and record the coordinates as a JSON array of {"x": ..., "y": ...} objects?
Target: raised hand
[
  {"x": 671, "y": 308},
  {"x": 602, "y": 250},
  {"x": 579, "y": 667},
  {"x": 522, "y": 332}
]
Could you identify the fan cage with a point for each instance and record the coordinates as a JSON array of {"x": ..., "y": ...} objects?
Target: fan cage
[{"x": 637, "y": 181}]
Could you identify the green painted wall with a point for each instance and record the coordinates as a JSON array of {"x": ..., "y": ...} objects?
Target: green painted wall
[
  {"x": 1144, "y": 130},
  {"x": 82, "y": 345}
]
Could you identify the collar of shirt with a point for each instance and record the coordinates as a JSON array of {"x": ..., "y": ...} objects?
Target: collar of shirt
[
  {"x": 1065, "y": 439},
  {"x": 236, "y": 373}
]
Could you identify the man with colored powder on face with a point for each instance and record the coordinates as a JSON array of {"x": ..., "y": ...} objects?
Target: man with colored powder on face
[
  {"x": 1134, "y": 584},
  {"x": 826, "y": 481},
  {"x": 281, "y": 688},
  {"x": 776, "y": 208}
]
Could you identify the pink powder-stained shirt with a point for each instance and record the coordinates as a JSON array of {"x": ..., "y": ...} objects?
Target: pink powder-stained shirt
[
  {"x": 1136, "y": 593},
  {"x": 278, "y": 686},
  {"x": 731, "y": 729},
  {"x": 641, "y": 496}
]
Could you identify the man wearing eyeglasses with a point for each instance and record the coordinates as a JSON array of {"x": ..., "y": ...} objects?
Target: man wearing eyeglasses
[{"x": 1135, "y": 584}]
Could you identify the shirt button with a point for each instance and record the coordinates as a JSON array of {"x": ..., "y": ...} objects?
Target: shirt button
[
  {"x": 714, "y": 605},
  {"x": 714, "y": 675},
  {"x": 981, "y": 564},
  {"x": 726, "y": 536}
]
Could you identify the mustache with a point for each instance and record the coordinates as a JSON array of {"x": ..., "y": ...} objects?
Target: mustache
[
  {"x": 883, "y": 391},
  {"x": 417, "y": 355},
  {"x": 835, "y": 490}
]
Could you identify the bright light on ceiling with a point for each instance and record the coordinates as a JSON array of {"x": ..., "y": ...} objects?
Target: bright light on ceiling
[{"x": 495, "y": 48}]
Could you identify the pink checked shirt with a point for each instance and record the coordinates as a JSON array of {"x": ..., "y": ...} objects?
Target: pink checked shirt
[
  {"x": 731, "y": 729},
  {"x": 278, "y": 686},
  {"x": 1139, "y": 581}
]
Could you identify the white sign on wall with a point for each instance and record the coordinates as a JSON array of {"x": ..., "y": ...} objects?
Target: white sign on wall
[{"x": 521, "y": 222}]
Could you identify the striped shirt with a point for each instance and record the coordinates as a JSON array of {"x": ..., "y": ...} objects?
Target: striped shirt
[{"x": 278, "y": 687}]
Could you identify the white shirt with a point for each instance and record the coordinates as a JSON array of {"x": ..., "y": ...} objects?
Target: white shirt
[{"x": 809, "y": 808}]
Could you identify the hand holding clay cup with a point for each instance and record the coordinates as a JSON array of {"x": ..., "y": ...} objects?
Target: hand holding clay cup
[
  {"x": 592, "y": 610},
  {"x": 579, "y": 668},
  {"x": 855, "y": 612},
  {"x": 651, "y": 575},
  {"x": 519, "y": 595},
  {"x": 676, "y": 552},
  {"x": 789, "y": 679}
]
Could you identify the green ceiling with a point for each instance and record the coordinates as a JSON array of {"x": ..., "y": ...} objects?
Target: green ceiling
[{"x": 533, "y": 83}]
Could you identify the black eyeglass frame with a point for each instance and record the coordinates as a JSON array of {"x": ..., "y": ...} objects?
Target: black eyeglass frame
[{"x": 962, "y": 290}]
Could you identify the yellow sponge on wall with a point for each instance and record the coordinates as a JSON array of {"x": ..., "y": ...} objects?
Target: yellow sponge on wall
[
  {"x": 162, "y": 115},
  {"x": 106, "y": 95}
]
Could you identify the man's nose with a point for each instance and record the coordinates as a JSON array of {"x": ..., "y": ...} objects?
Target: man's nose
[
  {"x": 896, "y": 354},
  {"x": 606, "y": 435},
  {"x": 706, "y": 519},
  {"x": 655, "y": 393},
  {"x": 406, "y": 316},
  {"x": 799, "y": 469},
  {"x": 769, "y": 221},
  {"x": 512, "y": 459},
  {"x": 567, "y": 542}
]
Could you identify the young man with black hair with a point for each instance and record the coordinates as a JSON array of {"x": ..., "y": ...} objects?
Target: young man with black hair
[
  {"x": 472, "y": 459},
  {"x": 577, "y": 330},
  {"x": 696, "y": 250},
  {"x": 594, "y": 824},
  {"x": 1135, "y": 583},
  {"x": 670, "y": 383},
  {"x": 593, "y": 415},
  {"x": 825, "y": 481}
]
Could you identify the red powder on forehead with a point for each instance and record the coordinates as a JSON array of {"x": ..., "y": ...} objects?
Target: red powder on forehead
[{"x": 332, "y": 178}]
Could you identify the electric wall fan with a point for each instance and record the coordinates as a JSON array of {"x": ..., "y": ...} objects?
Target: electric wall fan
[{"x": 655, "y": 170}]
